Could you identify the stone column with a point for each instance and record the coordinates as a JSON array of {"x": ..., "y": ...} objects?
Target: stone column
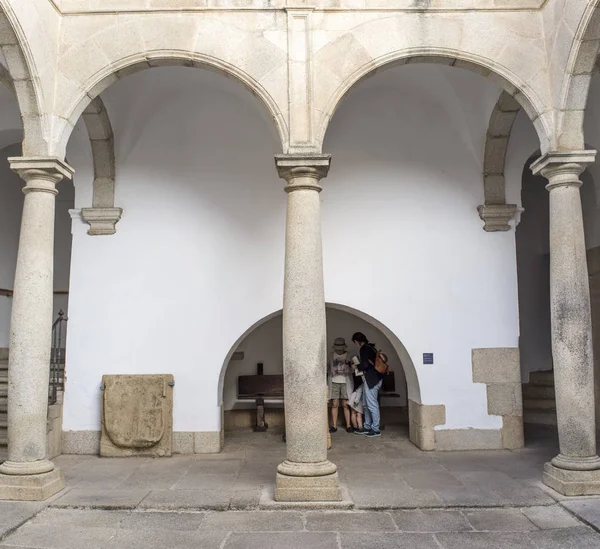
[
  {"x": 306, "y": 474},
  {"x": 576, "y": 469},
  {"x": 27, "y": 474}
]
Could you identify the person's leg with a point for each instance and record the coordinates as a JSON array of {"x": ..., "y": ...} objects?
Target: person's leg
[
  {"x": 359, "y": 420},
  {"x": 334, "y": 413},
  {"x": 373, "y": 404},
  {"x": 353, "y": 417},
  {"x": 367, "y": 424},
  {"x": 346, "y": 413}
]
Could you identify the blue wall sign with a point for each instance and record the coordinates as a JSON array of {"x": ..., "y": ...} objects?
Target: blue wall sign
[{"x": 427, "y": 358}]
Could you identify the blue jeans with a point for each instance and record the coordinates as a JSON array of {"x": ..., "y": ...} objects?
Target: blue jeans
[{"x": 371, "y": 406}]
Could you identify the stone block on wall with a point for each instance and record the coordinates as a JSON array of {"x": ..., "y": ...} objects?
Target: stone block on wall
[
  {"x": 496, "y": 365},
  {"x": 137, "y": 415}
]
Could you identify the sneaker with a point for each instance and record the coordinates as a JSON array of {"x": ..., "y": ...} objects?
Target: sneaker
[
  {"x": 349, "y": 429},
  {"x": 372, "y": 433},
  {"x": 333, "y": 429},
  {"x": 361, "y": 431}
]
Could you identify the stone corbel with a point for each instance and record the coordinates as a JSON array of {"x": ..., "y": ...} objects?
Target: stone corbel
[
  {"x": 497, "y": 217},
  {"x": 102, "y": 221}
]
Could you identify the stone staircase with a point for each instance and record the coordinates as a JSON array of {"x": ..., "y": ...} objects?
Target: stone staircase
[
  {"x": 539, "y": 404},
  {"x": 54, "y": 411}
]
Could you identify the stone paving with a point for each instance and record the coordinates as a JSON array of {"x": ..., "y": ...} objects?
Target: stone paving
[{"x": 403, "y": 498}]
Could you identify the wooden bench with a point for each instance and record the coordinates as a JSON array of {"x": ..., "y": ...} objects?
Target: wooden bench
[{"x": 260, "y": 387}]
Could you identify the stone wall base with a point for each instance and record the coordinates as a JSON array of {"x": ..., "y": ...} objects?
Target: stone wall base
[
  {"x": 31, "y": 487},
  {"x": 323, "y": 488},
  {"x": 54, "y": 429},
  {"x": 197, "y": 442},
  {"x": 572, "y": 483},
  {"x": 468, "y": 439},
  {"x": 184, "y": 442},
  {"x": 422, "y": 419}
]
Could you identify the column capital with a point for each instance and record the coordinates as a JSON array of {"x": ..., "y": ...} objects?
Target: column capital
[
  {"x": 40, "y": 173},
  {"x": 302, "y": 171},
  {"x": 562, "y": 169}
]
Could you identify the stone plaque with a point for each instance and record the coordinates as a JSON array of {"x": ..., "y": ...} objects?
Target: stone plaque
[{"x": 137, "y": 415}]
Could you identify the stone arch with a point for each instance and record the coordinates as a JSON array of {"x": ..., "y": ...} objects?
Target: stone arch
[
  {"x": 577, "y": 79},
  {"x": 511, "y": 84},
  {"x": 103, "y": 215},
  {"x": 495, "y": 213},
  {"x": 412, "y": 379},
  {"x": 21, "y": 70},
  {"x": 141, "y": 61}
]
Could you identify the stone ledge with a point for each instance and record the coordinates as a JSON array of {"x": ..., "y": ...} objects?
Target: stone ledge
[
  {"x": 31, "y": 487},
  {"x": 572, "y": 483},
  {"x": 325, "y": 488},
  {"x": 267, "y": 502}
]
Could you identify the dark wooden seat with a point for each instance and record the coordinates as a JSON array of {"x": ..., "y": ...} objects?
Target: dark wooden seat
[
  {"x": 388, "y": 387},
  {"x": 260, "y": 387}
]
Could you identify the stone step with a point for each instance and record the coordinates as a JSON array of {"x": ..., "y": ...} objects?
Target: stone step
[
  {"x": 539, "y": 417},
  {"x": 539, "y": 404},
  {"x": 3, "y": 439},
  {"x": 538, "y": 392},
  {"x": 3, "y": 391},
  {"x": 542, "y": 378}
]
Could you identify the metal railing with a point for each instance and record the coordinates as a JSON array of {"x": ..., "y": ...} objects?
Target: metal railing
[{"x": 56, "y": 357}]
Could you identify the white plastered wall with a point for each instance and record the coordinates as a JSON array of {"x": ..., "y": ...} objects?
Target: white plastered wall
[{"x": 198, "y": 256}]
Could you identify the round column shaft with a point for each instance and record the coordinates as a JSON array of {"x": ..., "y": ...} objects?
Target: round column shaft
[
  {"x": 31, "y": 321},
  {"x": 571, "y": 325},
  {"x": 306, "y": 474}
]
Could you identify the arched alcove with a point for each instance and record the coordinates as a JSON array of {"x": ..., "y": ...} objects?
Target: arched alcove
[{"x": 262, "y": 343}]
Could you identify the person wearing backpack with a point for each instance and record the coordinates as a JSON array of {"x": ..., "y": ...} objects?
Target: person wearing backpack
[{"x": 373, "y": 365}]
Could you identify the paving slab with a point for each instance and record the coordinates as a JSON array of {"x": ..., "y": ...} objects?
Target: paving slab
[
  {"x": 83, "y": 518},
  {"x": 431, "y": 521},
  {"x": 499, "y": 520},
  {"x": 487, "y": 540},
  {"x": 333, "y": 521},
  {"x": 165, "y": 539},
  {"x": 389, "y": 497},
  {"x": 150, "y": 520},
  {"x": 49, "y": 536},
  {"x": 550, "y": 517},
  {"x": 13, "y": 514},
  {"x": 378, "y": 540},
  {"x": 254, "y": 521},
  {"x": 287, "y": 540},
  {"x": 586, "y": 509},
  {"x": 566, "y": 538},
  {"x": 101, "y": 499},
  {"x": 187, "y": 499}
]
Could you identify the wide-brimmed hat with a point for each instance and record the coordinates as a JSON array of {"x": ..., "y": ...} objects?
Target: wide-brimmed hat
[{"x": 339, "y": 343}]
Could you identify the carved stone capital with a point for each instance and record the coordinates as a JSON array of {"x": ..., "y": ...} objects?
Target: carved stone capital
[
  {"x": 496, "y": 217},
  {"x": 562, "y": 169},
  {"x": 102, "y": 221},
  {"x": 40, "y": 173},
  {"x": 302, "y": 171}
]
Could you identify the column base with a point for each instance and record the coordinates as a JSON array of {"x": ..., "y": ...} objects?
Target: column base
[
  {"x": 322, "y": 488},
  {"x": 572, "y": 483},
  {"x": 31, "y": 487}
]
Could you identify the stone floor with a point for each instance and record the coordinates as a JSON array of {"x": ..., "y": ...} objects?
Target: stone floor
[{"x": 403, "y": 498}]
